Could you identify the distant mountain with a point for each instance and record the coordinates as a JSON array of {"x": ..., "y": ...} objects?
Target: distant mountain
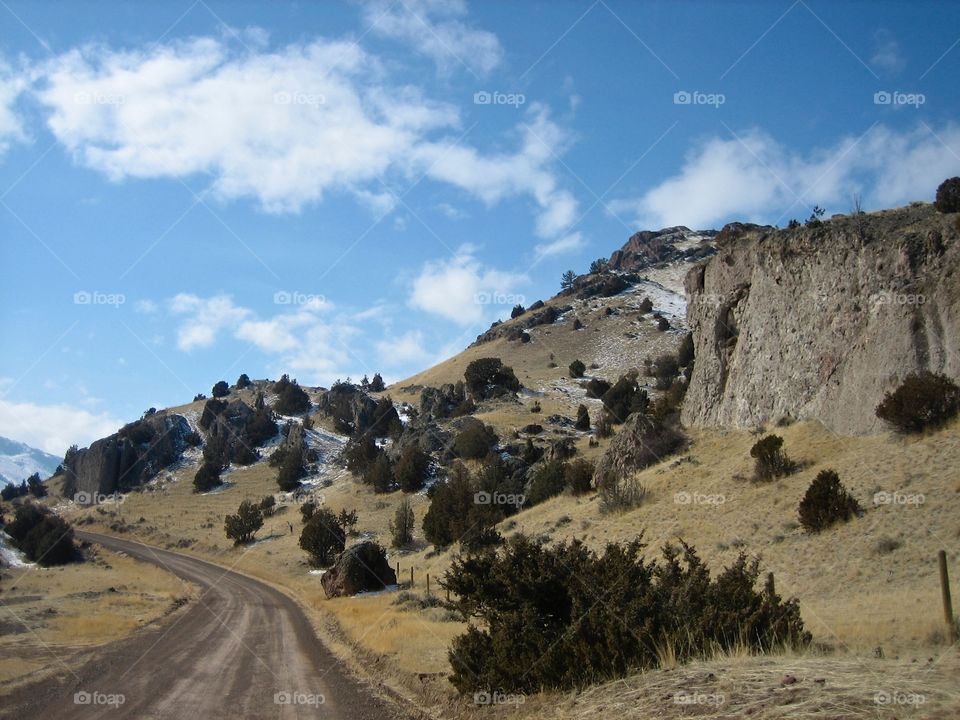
[{"x": 18, "y": 461}]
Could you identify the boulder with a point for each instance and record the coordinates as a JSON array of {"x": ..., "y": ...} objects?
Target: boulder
[
  {"x": 641, "y": 441},
  {"x": 360, "y": 568}
]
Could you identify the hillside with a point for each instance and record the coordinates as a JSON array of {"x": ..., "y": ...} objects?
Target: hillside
[
  {"x": 867, "y": 589},
  {"x": 18, "y": 461}
]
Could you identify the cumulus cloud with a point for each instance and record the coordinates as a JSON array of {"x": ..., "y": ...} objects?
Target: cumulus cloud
[
  {"x": 527, "y": 171},
  {"x": 204, "y": 318},
  {"x": 560, "y": 246},
  {"x": 53, "y": 428},
  {"x": 753, "y": 177},
  {"x": 887, "y": 55},
  {"x": 407, "y": 348},
  {"x": 462, "y": 288},
  {"x": 12, "y": 84},
  {"x": 436, "y": 30}
]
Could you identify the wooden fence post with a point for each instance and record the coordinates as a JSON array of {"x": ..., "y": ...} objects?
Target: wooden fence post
[
  {"x": 428, "y": 584},
  {"x": 771, "y": 585},
  {"x": 411, "y": 576},
  {"x": 945, "y": 594}
]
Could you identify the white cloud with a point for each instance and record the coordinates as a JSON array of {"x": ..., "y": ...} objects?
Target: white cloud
[
  {"x": 286, "y": 126},
  {"x": 525, "y": 172},
  {"x": 754, "y": 178},
  {"x": 560, "y": 246},
  {"x": 435, "y": 29},
  {"x": 407, "y": 348},
  {"x": 146, "y": 307},
  {"x": 887, "y": 55},
  {"x": 461, "y": 288},
  {"x": 53, "y": 428},
  {"x": 282, "y": 127},
  {"x": 12, "y": 84},
  {"x": 205, "y": 318}
]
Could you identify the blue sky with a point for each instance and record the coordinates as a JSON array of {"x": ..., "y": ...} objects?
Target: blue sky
[{"x": 191, "y": 190}]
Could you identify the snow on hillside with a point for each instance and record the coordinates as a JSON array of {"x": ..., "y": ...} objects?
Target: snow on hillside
[{"x": 18, "y": 461}]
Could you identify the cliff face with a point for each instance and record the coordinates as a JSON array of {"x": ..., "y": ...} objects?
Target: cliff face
[
  {"x": 654, "y": 247},
  {"x": 819, "y": 322},
  {"x": 127, "y": 458}
]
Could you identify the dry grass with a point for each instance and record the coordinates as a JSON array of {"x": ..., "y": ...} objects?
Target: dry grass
[{"x": 49, "y": 615}]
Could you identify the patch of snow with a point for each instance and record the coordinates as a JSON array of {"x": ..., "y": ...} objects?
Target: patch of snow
[
  {"x": 316, "y": 572},
  {"x": 9, "y": 556}
]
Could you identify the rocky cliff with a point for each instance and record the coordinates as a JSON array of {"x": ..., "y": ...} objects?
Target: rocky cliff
[
  {"x": 649, "y": 248},
  {"x": 818, "y": 322},
  {"x": 127, "y": 458}
]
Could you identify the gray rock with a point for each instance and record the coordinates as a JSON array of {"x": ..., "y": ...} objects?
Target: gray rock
[{"x": 362, "y": 567}]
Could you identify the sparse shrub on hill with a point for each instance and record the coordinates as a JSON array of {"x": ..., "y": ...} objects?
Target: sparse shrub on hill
[
  {"x": 619, "y": 494},
  {"x": 464, "y": 509},
  {"x": 577, "y": 369},
  {"x": 199, "y": 396},
  {"x": 517, "y": 311},
  {"x": 307, "y": 510},
  {"x": 35, "y": 486},
  {"x": 11, "y": 491},
  {"x": 401, "y": 527},
  {"x": 243, "y": 381},
  {"x": 663, "y": 324},
  {"x": 211, "y": 409},
  {"x": 268, "y": 505},
  {"x": 826, "y": 502},
  {"x": 348, "y": 520},
  {"x": 489, "y": 377},
  {"x": 624, "y": 398},
  {"x": 377, "y": 384},
  {"x": 583, "y": 418},
  {"x": 924, "y": 400},
  {"x": 771, "y": 459},
  {"x": 578, "y": 476},
  {"x": 567, "y": 280},
  {"x": 599, "y": 265},
  {"x": 359, "y": 453},
  {"x": 323, "y": 538},
  {"x": 474, "y": 441},
  {"x": 539, "y": 624},
  {"x": 291, "y": 471},
  {"x": 646, "y": 305},
  {"x": 221, "y": 389},
  {"x": 261, "y": 425},
  {"x": 44, "y": 537},
  {"x": 207, "y": 477},
  {"x": 667, "y": 368},
  {"x": 547, "y": 481},
  {"x": 596, "y": 388},
  {"x": 531, "y": 453},
  {"x": 411, "y": 469},
  {"x": 291, "y": 398},
  {"x": 667, "y": 407},
  {"x": 379, "y": 475},
  {"x": 244, "y": 525},
  {"x": 948, "y": 196}
]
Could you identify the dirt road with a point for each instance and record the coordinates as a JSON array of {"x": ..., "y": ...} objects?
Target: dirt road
[{"x": 243, "y": 650}]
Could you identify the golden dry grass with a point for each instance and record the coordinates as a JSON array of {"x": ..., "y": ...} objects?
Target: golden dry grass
[{"x": 49, "y": 615}]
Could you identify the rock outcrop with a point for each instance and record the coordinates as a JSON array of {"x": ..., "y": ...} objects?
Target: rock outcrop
[
  {"x": 655, "y": 247},
  {"x": 129, "y": 457},
  {"x": 818, "y": 322},
  {"x": 354, "y": 412},
  {"x": 360, "y": 568},
  {"x": 640, "y": 442}
]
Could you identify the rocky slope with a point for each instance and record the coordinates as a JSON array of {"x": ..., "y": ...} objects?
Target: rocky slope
[
  {"x": 820, "y": 321},
  {"x": 651, "y": 248}
]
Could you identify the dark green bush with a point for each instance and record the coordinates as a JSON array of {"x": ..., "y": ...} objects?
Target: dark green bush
[
  {"x": 624, "y": 398},
  {"x": 577, "y": 369},
  {"x": 401, "y": 528},
  {"x": 517, "y": 311},
  {"x": 826, "y": 502},
  {"x": 667, "y": 368},
  {"x": 487, "y": 377},
  {"x": 948, "y": 196},
  {"x": 377, "y": 384},
  {"x": 323, "y": 538},
  {"x": 411, "y": 469},
  {"x": 307, "y": 510},
  {"x": 45, "y": 538},
  {"x": 291, "y": 398},
  {"x": 564, "y": 616},
  {"x": 771, "y": 459},
  {"x": 685, "y": 352},
  {"x": 474, "y": 441},
  {"x": 578, "y": 476},
  {"x": 924, "y": 400},
  {"x": 548, "y": 480},
  {"x": 596, "y": 388},
  {"x": 379, "y": 475},
  {"x": 243, "y": 526},
  {"x": 465, "y": 509},
  {"x": 292, "y": 470},
  {"x": 646, "y": 305},
  {"x": 243, "y": 381},
  {"x": 221, "y": 389},
  {"x": 207, "y": 477}
]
